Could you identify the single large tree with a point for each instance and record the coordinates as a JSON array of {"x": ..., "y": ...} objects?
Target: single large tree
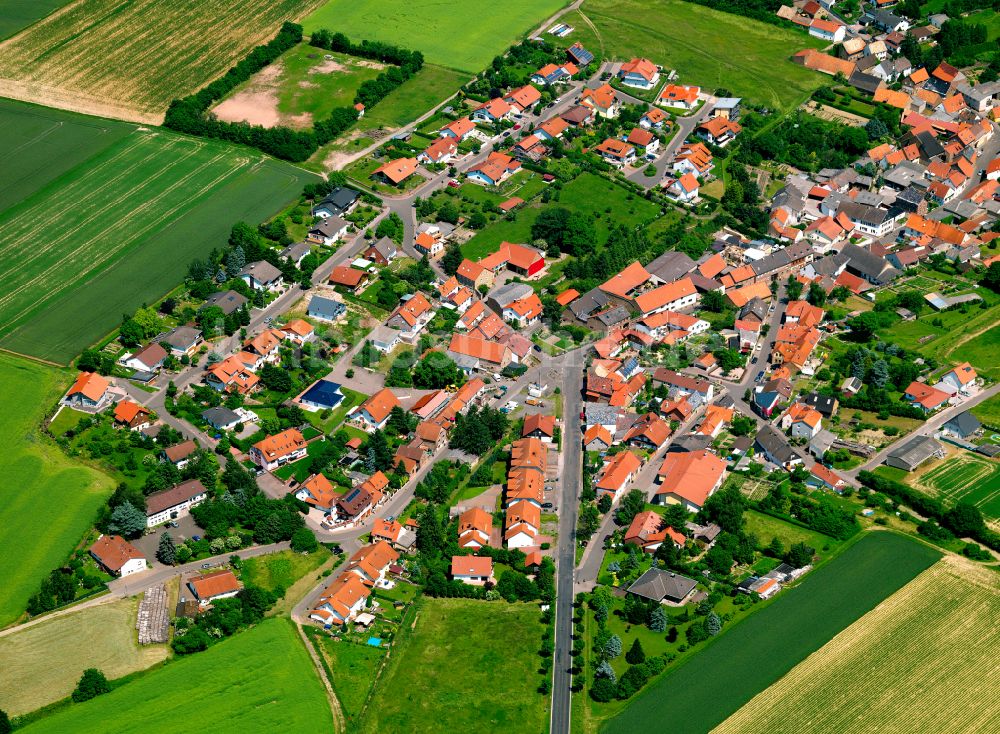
[
  {"x": 166, "y": 553},
  {"x": 127, "y": 521},
  {"x": 92, "y": 683}
]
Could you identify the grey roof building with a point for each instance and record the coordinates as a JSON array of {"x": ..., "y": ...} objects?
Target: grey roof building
[
  {"x": 505, "y": 295},
  {"x": 915, "y": 452},
  {"x": 221, "y": 418},
  {"x": 326, "y": 309},
  {"x": 670, "y": 266},
  {"x": 774, "y": 446},
  {"x": 963, "y": 425},
  {"x": 228, "y": 301},
  {"x": 659, "y": 585}
]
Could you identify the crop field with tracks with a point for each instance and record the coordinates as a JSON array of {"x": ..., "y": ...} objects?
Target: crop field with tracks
[
  {"x": 966, "y": 477},
  {"x": 117, "y": 229},
  {"x": 128, "y": 60},
  {"x": 921, "y": 661}
]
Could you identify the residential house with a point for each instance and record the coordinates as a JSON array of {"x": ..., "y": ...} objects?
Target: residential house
[
  {"x": 233, "y": 376},
  {"x": 117, "y": 556},
  {"x": 357, "y": 502},
  {"x": 183, "y": 340},
  {"x": 261, "y": 276},
  {"x": 802, "y": 421},
  {"x": 537, "y": 425},
  {"x": 962, "y": 378},
  {"x": 689, "y": 478},
  {"x": 617, "y": 473},
  {"x": 698, "y": 392},
  {"x": 395, "y": 172},
  {"x": 964, "y": 425},
  {"x": 341, "y": 601},
  {"x": 278, "y": 450},
  {"x": 682, "y": 97},
  {"x": 649, "y": 531},
  {"x": 338, "y": 203},
  {"x": 479, "y": 353},
  {"x": 524, "y": 312},
  {"x": 174, "y": 503},
  {"x": 298, "y": 332},
  {"x": 473, "y": 275},
  {"x": 394, "y": 534},
  {"x": 381, "y": 252},
  {"x": 180, "y": 454},
  {"x": 496, "y": 169},
  {"x": 149, "y": 359},
  {"x": 475, "y": 528},
  {"x": 683, "y": 190},
  {"x": 350, "y": 279},
  {"x": 459, "y": 129},
  {"x": 663, "y": 586},
  {"x": 227, "y": 301},
  {"x": 374, "y": 412},
  {"x": 775, "y": 448},
  {"x": 925, "y": 397},
  {"x": 639, "y": 73},
  {"x": 654, "y": 119},
  {"x": 649, "y": 432},
  {"x": 372, "y": 562},
  {"x": 90, "y": 391},
  {"x": 131, "y": 415},
  {"x": 519, "y": 259},
  {"x": 523, "y": 98},
  {"x": 719, "y": 131},
  {"x": 208, "y": 587},
  {"x": 492, "y": 112},
  {"x": 440, "y": 150},
  {"x": 221, "y": 418},
  {"x": 523, "y": 520},
  {"x": 411, "y": 317},
  {"x": 321, "y": 395},
  {"x": 317, "y": 491},
  {"x": 616, "y": 152},
  {"x": 472, "y": 570},
  {"x": 601, "y": 100},
  {"x": 827, "y": 30}
]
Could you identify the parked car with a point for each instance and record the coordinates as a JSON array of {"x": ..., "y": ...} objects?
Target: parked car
[
  {"x": 206, "y": 565},
  {"x": 547, "y": 505},
  {"x": 453, "y": 184}
]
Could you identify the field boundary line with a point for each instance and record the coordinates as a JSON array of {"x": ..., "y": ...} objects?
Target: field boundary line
[
  {"x": 339, "y": 723},
  {"x": 32, "y": 358}
]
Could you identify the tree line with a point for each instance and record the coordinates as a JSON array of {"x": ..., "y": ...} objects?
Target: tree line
[{"x": 190, "y": 114}]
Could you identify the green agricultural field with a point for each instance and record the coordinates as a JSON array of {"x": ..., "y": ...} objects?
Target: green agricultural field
[
  {"x": 428, "y": 88},
  {"x": 101, "y": 636},
  {"x": 16, "y": 15},
  {"x": 609, "y": 203},
  {"x": 917, "y": 663},
  {"x": 988, "y": 412},
  {"x": 706, "y": 47},
  {"x": 966, "y": 477},
  {"x": 260, "y": 680},
  {"x": 466, "y": 666},
  {"x": 118, "y": 228},
  {"x": 303, "y": 86},
  {"x": 716, "y": 682},
  {"x": 32, "y": 543},
  {"x": 463, "y": 35},
  {"x": 129, "y": 60}
]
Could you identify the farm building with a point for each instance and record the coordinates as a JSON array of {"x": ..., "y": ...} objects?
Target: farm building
[{"x": 915, "y": 452}]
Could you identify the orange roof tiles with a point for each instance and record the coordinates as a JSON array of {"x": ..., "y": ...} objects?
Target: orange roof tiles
[
  {"x": 692, "y": 476},
  {"x": 380, "y": 404},
  {"x": 626, "y": 281},
  {"x": 398, "y": 170},
  {"x": 89, "y": 384}
]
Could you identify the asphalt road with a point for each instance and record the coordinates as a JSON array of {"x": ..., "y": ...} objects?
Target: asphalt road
[{"x": 570, "y": 486}]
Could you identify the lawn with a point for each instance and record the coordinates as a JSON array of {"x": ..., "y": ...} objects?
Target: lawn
[
  {"x": 15, "y": 15},
  {"x": 609, "y": 203},
  {"x": 966, "y": 477},
  {"x": 766, "y": 527},
  {"x": 303, "y": 86},
  {"x": 33, "y": 467},
  {"x": 353, "y": 666},
  {"x": 706, "y": 47},
  {"x": 129, "y": 60},
  {"x": 137, "y": 196},
  {"x": 981, "y": 352},
  {"x": 755, "y": 653},
  {"x": 259, "y": 680},
  {"x": 465, "y": 666},
  {"x": 429, "y": 87},
  {"x": 463, "y": 35},
  {"x": 915, "y": 664},
  {"x": 101, "y": 636},
  {"x": 278, "y": 571}
]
